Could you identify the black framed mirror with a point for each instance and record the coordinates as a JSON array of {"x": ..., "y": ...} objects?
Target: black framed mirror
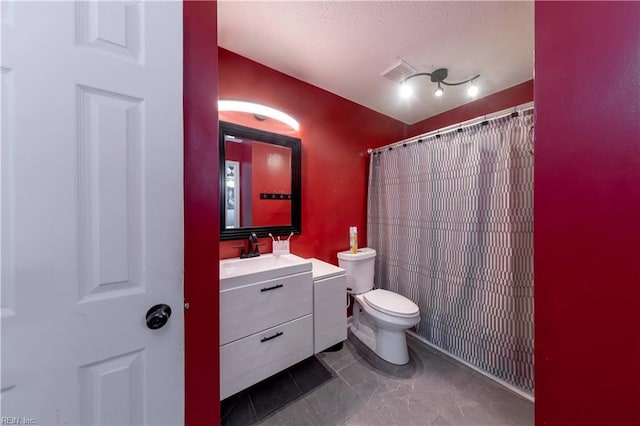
[{"x": 260, "y": 182}]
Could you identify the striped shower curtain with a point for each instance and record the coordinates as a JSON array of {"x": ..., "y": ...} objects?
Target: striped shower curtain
[{"x": 451, "y": 219}]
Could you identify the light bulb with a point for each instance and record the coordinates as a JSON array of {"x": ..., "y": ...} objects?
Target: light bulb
[
  {"x": 473, "y": 90},
  {"x": 439, "y": 91},
  {"x": 251, "y": 108},
  {"x": 405, "y": 91}
]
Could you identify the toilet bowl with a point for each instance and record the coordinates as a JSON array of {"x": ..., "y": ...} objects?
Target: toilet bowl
[{"x": 380, "y": 317}]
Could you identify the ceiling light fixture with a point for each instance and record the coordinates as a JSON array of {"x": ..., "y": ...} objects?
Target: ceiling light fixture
[
  {"x": 405, "y": 90},
  {"x": 439, "y": 76},
  {"x": 473, "y": 90},
  {"x": 258, "y": 110},
  {"x": 439, "y": 91}
]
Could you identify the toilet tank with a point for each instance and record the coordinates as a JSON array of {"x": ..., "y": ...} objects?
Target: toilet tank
[{"x": 359, "y": 267}]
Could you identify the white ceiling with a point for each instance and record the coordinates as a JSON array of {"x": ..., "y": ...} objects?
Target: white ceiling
[{"x": 345, "y": 46}]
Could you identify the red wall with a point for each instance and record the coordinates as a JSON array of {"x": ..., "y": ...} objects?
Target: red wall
[
  {"x": 234, "y": 151},
  {"x": 513, "y": 96},
  {"x": 201, "y": 224},
  {"x": 587, "y": 213},
  {"x": 335, "y": 136}
]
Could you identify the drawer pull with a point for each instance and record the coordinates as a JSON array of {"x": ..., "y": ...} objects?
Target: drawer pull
[
  {"x": 271, "y": 288},
  {"x": 265, "y": 339}
]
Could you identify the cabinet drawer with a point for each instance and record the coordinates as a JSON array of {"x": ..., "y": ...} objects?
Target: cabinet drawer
[
  {"x": 329, "y": 312},
  {"x": 261, "y": 355},
  {"x": 252, "y": 308}
]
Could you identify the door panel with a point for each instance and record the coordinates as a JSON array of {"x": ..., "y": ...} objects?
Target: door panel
[
  {"x": 111, "y": 175},
  {"x": 113, "y": 391}
]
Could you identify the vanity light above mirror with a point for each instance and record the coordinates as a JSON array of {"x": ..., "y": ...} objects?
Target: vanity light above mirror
[{"x": 258, "y": 110}]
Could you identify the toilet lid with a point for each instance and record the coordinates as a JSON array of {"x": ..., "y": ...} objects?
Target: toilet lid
[{"x": 391, "y": 303}]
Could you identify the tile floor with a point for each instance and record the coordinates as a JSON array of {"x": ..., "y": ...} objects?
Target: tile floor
[
  {"x": 272, "y": 394},
  {"x": 358, "y": 388}
]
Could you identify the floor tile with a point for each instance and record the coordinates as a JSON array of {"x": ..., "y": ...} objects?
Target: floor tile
[
  {"x": 340, "y": 359},
  {"x": 397, "y": 404},
  {"x": 502, "y": 405},
  {"x": 362, "y": 378},
  {"x": 237, "y": 411},
  {"x": 445, "y": 372},
  {"x": 297, "y": 413},
  {"x": 470, "y": 413},
  {"x": 309, "y": 374},
  {"x": 334, "y": 402},
  {"x": 273, "y": 393}
]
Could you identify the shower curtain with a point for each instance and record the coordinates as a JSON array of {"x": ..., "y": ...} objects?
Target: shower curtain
[{"x": 451, "y": 219}]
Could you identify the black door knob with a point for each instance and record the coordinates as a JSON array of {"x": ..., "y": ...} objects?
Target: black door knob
[{"x": 158, "y": 316}]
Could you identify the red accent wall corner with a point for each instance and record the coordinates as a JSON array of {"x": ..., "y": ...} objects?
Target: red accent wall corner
[
  {"x": 587, "y": 213},
  {"x": 201, "y": 224}
]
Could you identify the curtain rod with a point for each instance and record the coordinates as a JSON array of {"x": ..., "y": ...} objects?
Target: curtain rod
[{"x": 454, "y": 127}]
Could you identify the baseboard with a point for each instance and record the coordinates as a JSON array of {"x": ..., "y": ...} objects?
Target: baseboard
[{"x": 523, "y": 394}]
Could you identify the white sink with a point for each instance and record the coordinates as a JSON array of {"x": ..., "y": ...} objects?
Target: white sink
[{"x": 236, "y": 272}]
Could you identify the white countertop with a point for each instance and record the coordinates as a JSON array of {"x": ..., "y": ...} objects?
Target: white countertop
[
  {"x": 237, "y": 272},
  {"x": 322, "y": 270}
]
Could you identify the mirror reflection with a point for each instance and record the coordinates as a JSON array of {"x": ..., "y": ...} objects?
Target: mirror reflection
[{"x": 257, "y": 183}]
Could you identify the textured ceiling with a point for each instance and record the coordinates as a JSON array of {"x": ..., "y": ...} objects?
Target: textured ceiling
[{"x": 345, "y": 46}]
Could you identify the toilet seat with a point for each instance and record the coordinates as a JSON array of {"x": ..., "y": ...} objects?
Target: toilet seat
[{"x": 391, "y": 303}]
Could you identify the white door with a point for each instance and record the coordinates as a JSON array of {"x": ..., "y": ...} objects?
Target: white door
[{"x": 91, "y": 212}]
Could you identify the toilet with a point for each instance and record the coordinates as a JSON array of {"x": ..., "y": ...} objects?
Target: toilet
[{"x": 380, "y": 317}]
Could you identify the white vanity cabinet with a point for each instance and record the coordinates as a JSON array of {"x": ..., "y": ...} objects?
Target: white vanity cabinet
[
  {"x": 265, "y": 326},
  {"x": 276, "y": 311},
  {"x": 255, "y": 307},
  {"x": 329, "y": 305}
]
